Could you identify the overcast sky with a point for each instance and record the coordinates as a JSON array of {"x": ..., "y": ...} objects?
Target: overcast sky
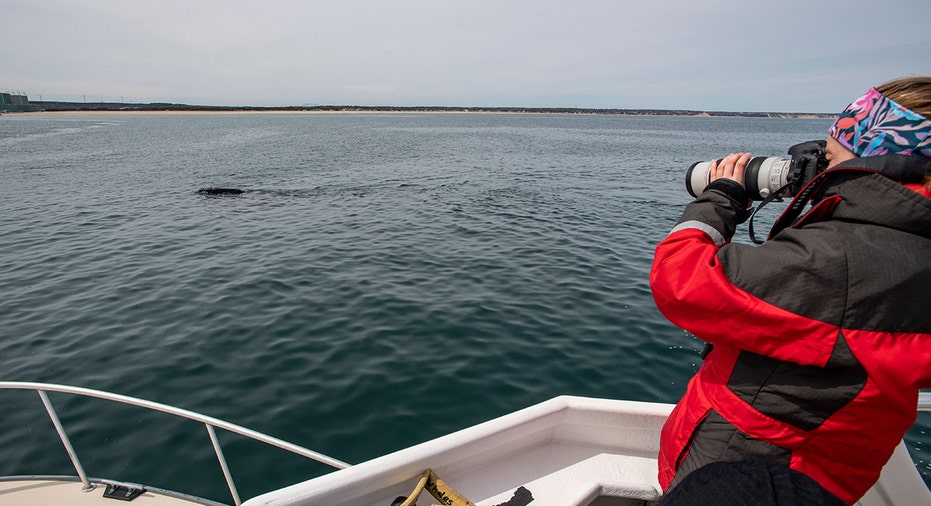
[{"x": 721, "y": 55}]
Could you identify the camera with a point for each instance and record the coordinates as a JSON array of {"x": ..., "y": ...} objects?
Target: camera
[{"x": 769, "y": 177}]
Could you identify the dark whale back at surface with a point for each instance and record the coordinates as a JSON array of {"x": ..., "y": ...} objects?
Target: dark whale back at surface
[{"x": 220, "y": 191}]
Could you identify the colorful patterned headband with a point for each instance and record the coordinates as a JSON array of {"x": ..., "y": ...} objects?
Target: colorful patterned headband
[{"x": 876, "y": 125}]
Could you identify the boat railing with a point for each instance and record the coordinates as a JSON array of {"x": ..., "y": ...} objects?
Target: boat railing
[{"x": 210, "y": 422}]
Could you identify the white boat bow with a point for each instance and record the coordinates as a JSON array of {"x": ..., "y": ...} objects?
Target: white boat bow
[{"x": 567, "y": 451}]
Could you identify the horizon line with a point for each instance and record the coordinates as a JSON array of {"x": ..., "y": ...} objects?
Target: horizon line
[{"x": 61, "y": 105}]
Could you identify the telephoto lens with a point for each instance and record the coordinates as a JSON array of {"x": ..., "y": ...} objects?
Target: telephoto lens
[
  {"x": 763, "y": 176},
  {"x": 769, "y": 177}
]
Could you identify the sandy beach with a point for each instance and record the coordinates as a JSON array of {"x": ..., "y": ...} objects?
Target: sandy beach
[{"x": 221, "y": 112}]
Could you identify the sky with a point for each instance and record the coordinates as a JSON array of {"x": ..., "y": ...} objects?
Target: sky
[{"x": 710, "y": 55}]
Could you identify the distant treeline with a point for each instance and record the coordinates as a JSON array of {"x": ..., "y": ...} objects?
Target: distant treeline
[{"x": 157, "y": 106}]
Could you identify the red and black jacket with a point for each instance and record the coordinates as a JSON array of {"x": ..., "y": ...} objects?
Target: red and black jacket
[{"x": 822, "y": 335}]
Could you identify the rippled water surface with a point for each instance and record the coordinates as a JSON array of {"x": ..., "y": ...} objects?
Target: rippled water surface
[{"x": 385, "y": 279}]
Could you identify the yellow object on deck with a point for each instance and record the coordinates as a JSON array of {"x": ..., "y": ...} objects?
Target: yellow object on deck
[{"x": 438, "y": 489}]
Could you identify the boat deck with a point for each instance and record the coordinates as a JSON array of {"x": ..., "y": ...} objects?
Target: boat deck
[
  {"x": 568, "y": 451},
  {"x": 35, "y": 490}
]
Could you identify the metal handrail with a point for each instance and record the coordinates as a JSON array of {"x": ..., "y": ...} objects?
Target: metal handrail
[{"x": 209, "y": 421}]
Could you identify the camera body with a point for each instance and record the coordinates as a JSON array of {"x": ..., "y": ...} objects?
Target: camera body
[{"x": 769, "y": 177}]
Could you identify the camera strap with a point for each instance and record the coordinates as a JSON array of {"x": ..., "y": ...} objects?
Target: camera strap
[{"x": 769, "y": 198}]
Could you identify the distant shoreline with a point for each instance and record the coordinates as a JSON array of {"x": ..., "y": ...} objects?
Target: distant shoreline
[{"x": 48, "y": 108}]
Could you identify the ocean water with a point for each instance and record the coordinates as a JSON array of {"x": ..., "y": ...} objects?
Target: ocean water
[{"x": 386, "y": 279}]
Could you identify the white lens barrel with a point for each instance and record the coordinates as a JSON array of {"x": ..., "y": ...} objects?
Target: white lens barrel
[
  {"x": 696, "y": 178},
  {"x": 762, "y": 177},
  {"x": 771, "y": 176}
]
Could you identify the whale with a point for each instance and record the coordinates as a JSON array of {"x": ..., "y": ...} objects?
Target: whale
[{"x": 220, "y": 191}]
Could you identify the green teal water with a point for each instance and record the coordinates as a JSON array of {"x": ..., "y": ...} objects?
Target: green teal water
[{"x": 386, "y": 279}]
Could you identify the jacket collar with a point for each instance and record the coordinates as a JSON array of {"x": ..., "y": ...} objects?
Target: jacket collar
[{"x": 872, "y": 191}]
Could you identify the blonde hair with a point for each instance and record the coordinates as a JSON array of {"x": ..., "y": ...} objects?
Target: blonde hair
[
  {"x": 911, "y": 92},
  {"x": 915, "y": 94}
]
